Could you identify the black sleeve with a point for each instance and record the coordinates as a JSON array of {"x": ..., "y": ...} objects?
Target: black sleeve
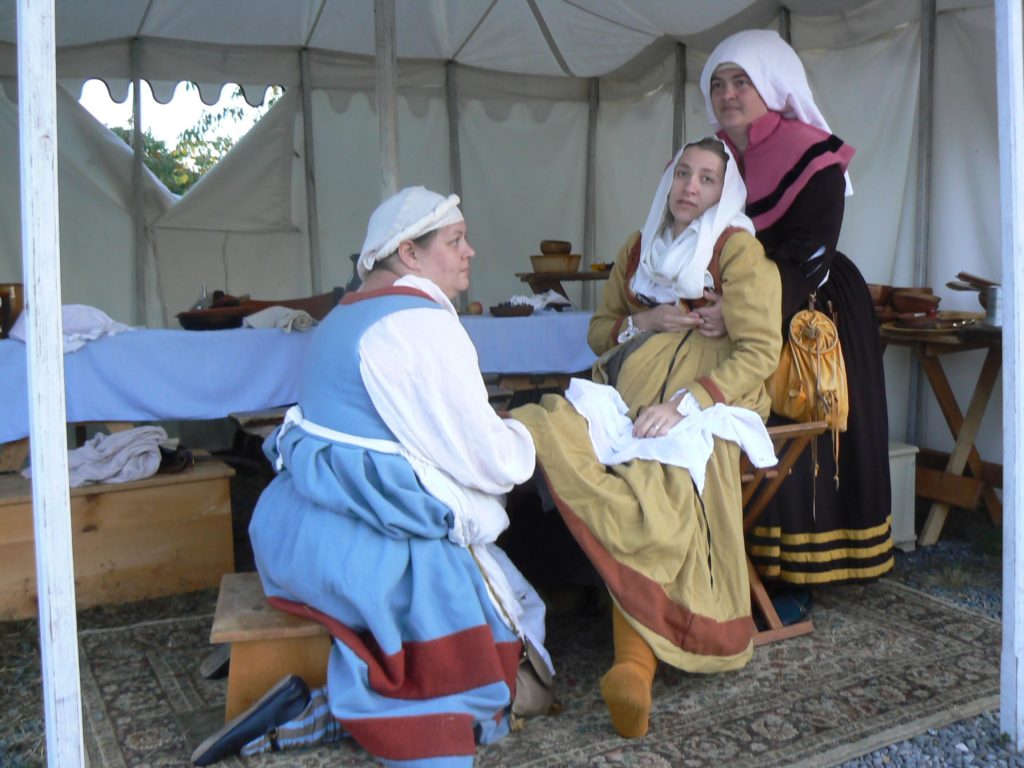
[{"x": 812, "y": 221}]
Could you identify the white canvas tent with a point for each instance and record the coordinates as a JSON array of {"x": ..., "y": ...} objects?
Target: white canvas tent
[
  {"x": 522, "y": 133},
  {"x": 553, "y": 118}
]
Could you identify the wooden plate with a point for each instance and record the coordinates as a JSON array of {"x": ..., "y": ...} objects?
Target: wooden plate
[
  {"x": 515, "y": 310},
  {"x": 940, "y": 321}
]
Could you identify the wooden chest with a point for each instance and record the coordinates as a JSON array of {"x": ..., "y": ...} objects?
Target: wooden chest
[{"x": 166, "y": 534}]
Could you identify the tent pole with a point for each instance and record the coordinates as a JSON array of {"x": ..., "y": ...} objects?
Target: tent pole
[
  {"x": 679, "y": 101},
  {"x": 138, "y": 199},
  {"x": 312, "y": 216},
  {"x": 454, "y": 147},
  {"x": 1010, "y": 100},
  {"x": 51, "y": 503},
  {"x": 922, "y": 222},
  {"x": 387, "y": 95},
  {"x": 590, "y": 186},
  {"x": 785, "y": 30}
]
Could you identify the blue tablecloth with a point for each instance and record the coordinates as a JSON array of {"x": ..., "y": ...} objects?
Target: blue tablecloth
[{"x": 156, "y": 375}]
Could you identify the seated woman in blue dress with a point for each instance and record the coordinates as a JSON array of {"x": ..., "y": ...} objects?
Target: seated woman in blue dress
[{"x": 381, "y": 522}]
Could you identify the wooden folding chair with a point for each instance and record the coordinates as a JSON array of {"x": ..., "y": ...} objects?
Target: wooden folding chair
[{"x": 759, "y": 486}]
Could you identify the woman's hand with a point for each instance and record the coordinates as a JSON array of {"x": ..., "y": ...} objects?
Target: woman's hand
[
  {"x": 656, "y": 420},
  {"x": 710, "y": 321},
  {"x": 665, "y": 318}
]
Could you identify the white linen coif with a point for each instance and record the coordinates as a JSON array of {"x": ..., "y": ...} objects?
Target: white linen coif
[
  {"x": 410, "y": 213},
  {"x": 673, "y": 268}
]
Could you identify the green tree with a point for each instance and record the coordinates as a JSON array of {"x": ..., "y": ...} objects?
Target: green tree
[
  {"x": 200, "y": 147},
  {"x": 165, "y": 163}
]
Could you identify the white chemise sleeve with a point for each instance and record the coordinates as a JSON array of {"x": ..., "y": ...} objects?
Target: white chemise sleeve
[{"x": 422, "y": 373}]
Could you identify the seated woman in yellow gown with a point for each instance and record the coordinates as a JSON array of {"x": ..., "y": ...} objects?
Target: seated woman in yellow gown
[{"x": 643, "y": 462}]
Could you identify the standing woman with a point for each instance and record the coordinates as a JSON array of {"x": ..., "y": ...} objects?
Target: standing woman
[{"x": 819, "y": 529}]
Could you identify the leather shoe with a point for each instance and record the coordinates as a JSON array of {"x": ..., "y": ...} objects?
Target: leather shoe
[{"x": 284, "y": 702}]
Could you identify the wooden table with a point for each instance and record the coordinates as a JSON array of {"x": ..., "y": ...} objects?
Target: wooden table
[
  {"x": 953, "y": 486},
  {"x": 542, "y": 282}
]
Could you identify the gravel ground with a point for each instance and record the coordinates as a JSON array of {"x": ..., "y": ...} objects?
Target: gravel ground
[{"x": 964, "y": 568}]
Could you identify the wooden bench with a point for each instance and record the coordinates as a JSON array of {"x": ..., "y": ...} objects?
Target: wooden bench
[
  {"x": 266, "y": 644},
  {"x": 167, "y": 534}
]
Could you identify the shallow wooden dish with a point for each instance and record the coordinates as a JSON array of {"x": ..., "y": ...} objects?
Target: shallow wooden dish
[{"x": 516, "y": 310}]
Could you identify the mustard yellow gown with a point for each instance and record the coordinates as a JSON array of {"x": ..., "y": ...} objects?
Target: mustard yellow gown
[{"x": 672, "y": 559}]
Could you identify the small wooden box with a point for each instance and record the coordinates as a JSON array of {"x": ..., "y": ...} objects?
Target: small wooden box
[{"x": 166, "y": 534}]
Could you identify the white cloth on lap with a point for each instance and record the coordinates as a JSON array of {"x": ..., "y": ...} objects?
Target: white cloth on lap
[
  {"x": 121, "y": 457},
  {"x": 81, "y": 323},
  {"x": 284, "y": 318},
  {"x": 688, "y": 444}
]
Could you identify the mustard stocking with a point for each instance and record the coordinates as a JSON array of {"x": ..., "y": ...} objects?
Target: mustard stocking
[{"x": 626, "y": 687}]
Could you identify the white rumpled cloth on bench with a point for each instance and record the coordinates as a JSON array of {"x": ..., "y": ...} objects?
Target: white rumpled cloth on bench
[
  {"x": 280, "y": 317},
  {"x": 133, "y": 454},
  {"x": 81, "y": 324}
]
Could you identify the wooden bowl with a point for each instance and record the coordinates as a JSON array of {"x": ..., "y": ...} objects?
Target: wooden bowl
[
  {"x": 12, "y": 302},
  {"x": 556, "y": 262},
  {"x": 512, "y": 310},
  {"x": 906, "y": 301},
  {"x": 879, "y": 294},
  {"x": 555, "y": 246}
]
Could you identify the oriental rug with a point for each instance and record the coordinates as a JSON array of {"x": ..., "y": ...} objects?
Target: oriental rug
[{"x": 885, "y": 663}]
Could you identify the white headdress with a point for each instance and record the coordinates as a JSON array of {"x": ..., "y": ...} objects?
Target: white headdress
[
  {"x": 776, "y": 72},
  {"x": 676, "y": 267},
  {"x": 409, "y": 213}
]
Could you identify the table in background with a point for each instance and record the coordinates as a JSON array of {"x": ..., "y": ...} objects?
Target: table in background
[
  {"x": 542, "y": 282},
  {"x": 161, "y": 374},
  {"x": 928, "y": 346}
]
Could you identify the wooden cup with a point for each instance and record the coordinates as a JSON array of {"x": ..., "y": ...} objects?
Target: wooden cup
[{"x": 12, "y": 302}]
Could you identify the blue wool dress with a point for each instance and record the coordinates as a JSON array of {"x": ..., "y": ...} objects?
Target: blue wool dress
[{"x": 422, "y": 666}]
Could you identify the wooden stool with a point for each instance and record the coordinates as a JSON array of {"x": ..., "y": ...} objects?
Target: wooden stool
[
  {"x": 759, "y": 486},
  {"x": 266, "y": 644}
]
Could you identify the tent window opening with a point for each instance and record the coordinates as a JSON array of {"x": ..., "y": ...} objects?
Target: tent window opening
[{"x": 184, "y": 137}]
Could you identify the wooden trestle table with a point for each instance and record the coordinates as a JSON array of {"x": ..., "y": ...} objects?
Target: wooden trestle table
[{"x": 929, "y": 345}]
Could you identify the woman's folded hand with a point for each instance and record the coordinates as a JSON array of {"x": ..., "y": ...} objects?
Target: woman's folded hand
[
  {"x": 665, "y": 318},
  {"x": 656, "y": 420}
]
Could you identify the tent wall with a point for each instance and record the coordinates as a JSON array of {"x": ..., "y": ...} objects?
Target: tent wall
[
  {"x": 96, "y": 229},
  {"x": 523, "y": 161}
]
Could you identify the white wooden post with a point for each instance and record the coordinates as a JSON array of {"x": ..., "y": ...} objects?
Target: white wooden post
[
  {"x": 387, "y": 95},
  {"x": 922, "y": 221},
  {"x": 312, "y": 213},
  {"x": 590, "y": 188},
  {"x": 138, "y": 198},
  {"x": 451, "y": 92},
  {"x": 51, "y": 505},
  {"x": 1010, "y": 98},
  {"x": 679, "y": 101}
]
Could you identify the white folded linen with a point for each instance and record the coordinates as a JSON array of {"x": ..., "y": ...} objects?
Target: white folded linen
[
  {"x": 133, "y": 454},
  {"x": 551, "y": 298},
  {"x": 688, "y": 444},
  {"x": 81, "y": 324},
  {"x": 280, "y": 317}
]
